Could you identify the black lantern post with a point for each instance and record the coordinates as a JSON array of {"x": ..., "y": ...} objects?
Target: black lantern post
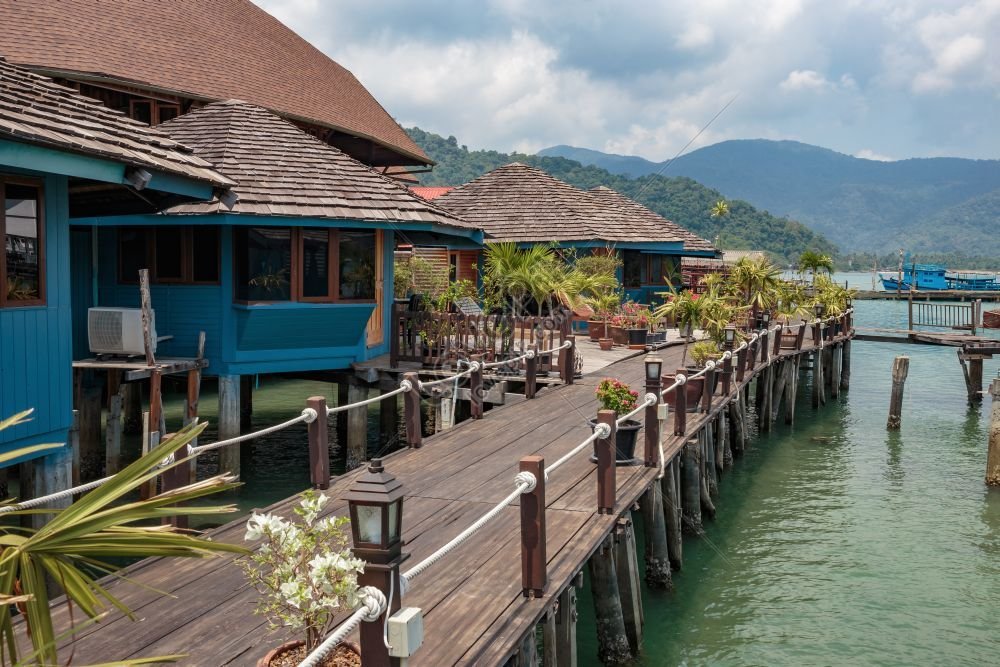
[
  {"x": 654, "y": 383},
  {"x": 375, "y": 502}
]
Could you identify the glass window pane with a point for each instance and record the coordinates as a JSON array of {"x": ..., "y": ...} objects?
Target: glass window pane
[
  {"x": 263, "y": 260},
  {"x": 661, "y": 269},
  {"x": 633, "y": 268},
  {"x": 131, "y": 253},
  {"x": 357, "y": 265},
  {"x": 370, "y": 524},
  {"x": 22, "y": 244},
  {"x": 315, "y": 263},
  {"x": 168, "y": 112},
  {"x": 205, "y": 254},
  {"x": 142, "y": 111},
  {"x": 169, "y": 254}
]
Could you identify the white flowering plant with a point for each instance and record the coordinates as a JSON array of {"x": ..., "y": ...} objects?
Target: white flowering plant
[{"x": 303, "y": 568}]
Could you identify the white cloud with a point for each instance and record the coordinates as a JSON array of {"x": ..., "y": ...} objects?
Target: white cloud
[
  {"x": 696, "y": 36},
  {"x": 869, "y": 154},
  {"x": 804, "y": 79}
]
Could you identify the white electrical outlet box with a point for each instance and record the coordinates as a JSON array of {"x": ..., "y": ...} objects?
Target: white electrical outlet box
[
  {"x": 661, "y": 410},
  {"x": 406, "y": 632}
]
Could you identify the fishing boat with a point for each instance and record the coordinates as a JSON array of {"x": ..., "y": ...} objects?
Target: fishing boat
[
  {"x": 934, "y": 277},
  {"x": 991, "y": 319}
]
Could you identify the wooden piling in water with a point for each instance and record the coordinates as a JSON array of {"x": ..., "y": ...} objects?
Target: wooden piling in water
[
  {"x": 672, "y": 512},
  {"x": 845, "y": 362},
  {"x": 993, "y": 453},
  {"x": 654, "y": 525},
  {"x": 711, "y": 473},
  {"x": 817, "y": 382},
  {"x": 627, "y": 571},
  {"x": 132, "y": 408},
  {"x": 612, "y": 642},
  {"x": 113, "y": 435},
  {"x": 229, "y": 422},
  {"x": 691, "y": 486},
  {"x": 565, "y": 639},
  {"x": 707, "y": 466},
  {"x": 900, "y": 368},
  {"x": 357, "y": 426},
  {"x": 91, "y": 445}
]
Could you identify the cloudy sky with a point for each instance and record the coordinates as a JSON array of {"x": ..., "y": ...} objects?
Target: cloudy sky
[{"x": 874, "y": 78}]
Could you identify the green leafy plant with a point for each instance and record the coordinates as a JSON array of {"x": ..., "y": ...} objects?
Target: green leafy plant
[
  {"x": 303, "y": 568},
  {"x": 684, "y": 308},
  {"x": 813, "y": 262},
  {"x": 270, "y": 280},
  {"x": 704, "y": 350},
  {"x": 613, "y": 394},
  {"x": 105, "y": 523}
]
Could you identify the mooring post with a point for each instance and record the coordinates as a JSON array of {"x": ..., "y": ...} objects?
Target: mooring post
[
  {"x": 612, "y": 642},
  {"x": 627, "y": 571},
  {"x": 672, "y": 512},
  {"x": 817, "y": 332},
  {"x": 319, "y": 446},
  {"x": 533, "y": 575},
  {"x": 900, "y": 367},
  {"x": 975, "y": 380},
  {"x": 475, "y": 390},
  {"x": 411, "y": 410},
  {"x": 606, "y": 480},
  {"x": 680, "y": 406},
  {"x": 566, "y": 616},
  {"x": 531, "y": 372},
  {"x": 993, "y": 455},
  {"x": 654, "y": 384},
  {"x": 657, "y": 554},
  {"x": 691, "y": 491}
]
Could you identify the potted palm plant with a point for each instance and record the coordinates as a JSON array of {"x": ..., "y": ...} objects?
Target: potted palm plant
[
  {"x": 306, "y": 575},
  {"x": 686, "y": 309},
  {"x": 613, "y": 394}
]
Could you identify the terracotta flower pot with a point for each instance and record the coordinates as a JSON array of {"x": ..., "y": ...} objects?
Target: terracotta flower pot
[
  {"x": 292, "y": 645},
  {"x": 606, "y": 344},
  {"x": 619, "y": 335},
  {"x": 596, "y": 330}
]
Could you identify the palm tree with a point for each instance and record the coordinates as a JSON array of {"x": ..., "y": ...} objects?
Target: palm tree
[
  {"x": 813, "y": 261},
  {"x": 720, "y": 209}
]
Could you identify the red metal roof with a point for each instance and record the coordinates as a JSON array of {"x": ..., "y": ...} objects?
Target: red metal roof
[{"x": 206, "y": 50}]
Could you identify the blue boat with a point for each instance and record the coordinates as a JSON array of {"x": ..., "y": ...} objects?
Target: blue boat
[{"x": 934, "y": 277}]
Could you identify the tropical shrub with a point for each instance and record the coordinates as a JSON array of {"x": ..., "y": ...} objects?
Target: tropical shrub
[{"x": 613, "y": 394}]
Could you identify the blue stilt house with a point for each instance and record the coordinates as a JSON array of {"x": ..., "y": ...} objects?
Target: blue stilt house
[
  {"x": 526, "y": 205},
  {"x": 63, "y": 156}
]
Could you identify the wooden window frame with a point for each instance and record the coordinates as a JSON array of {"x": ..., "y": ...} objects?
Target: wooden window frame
[
  {"x": 40, "y": 221},
  {"x": 187, "y": 256},
  {"x": 296, "y": 277}
]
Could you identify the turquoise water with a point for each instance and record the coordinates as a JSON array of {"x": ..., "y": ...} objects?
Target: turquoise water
[{"x": 838, "y": 543}]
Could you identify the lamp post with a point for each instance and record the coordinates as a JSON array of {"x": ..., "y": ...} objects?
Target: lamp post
[
  {"x": 727, "y": 365},
  {"x": 654, "y": 383},
  {"x": 375, "y": 502}
]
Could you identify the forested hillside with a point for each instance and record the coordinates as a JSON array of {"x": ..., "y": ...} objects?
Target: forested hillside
[{"x": 683, "y": 200}]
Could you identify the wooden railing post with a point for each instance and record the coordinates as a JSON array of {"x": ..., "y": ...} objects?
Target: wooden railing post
[
  {"x": 752, "y": 354},
  {"x": 800, "y": 336},
  {"x": 741, "y": 365},
  {"x": 531, "y": 373},
  {"x": 606, "y": 480},
  {"x": 816, "y": 332},
  {"x": 411, "y": 411},
  {"x": 533, "y": 575},
  {"x": 763, "y": 345},
  {"x": 174, "y": 478},
  {"x": 319, "y": 444},
  {"x": 680, "y": 406},
  {"x": 651, "y": 456},
  {"x": 566, "y": 358},
  {"x": 706, "y": 395},
  {"x": 476, "y": 390},
  {"x": 776, "y": 351},
  {"x": 727, "y": 374}
]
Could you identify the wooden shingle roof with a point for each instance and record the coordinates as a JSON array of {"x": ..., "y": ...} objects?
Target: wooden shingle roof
[
  {"x": 207, "y": 50},
  {"x": 525, "y": 204},
  {"x": 36, "y": 110},
  {"x": 282, "y": 171}
]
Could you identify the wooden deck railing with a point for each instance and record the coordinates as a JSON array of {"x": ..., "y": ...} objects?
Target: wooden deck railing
[{"x": 945, "y": 315}]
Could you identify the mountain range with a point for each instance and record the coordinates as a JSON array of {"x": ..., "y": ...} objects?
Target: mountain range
[{"x": 924, "y": 205}]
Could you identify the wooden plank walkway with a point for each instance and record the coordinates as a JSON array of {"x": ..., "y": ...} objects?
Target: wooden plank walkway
[{"x": 474, "y": 612}]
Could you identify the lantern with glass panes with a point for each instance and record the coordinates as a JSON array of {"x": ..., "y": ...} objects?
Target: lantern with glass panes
[{"x": 376, "y": 506}]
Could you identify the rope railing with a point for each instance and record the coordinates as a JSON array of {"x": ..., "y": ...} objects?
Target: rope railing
[
  {"x": 58, "y": 495},
  {"x": 600, "y": 431},
  {"x": 473, "y": 367},
  {"x": 374, "y": 605},
  {"x": 525, "y": 482},
  {"x": 308, "y": 415},
  {"x": 404, "y": 386},
  {"x": 530, "y": 354}
]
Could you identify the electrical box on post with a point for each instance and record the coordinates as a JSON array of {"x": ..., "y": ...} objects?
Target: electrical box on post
[{"x": 406, "y": 632}]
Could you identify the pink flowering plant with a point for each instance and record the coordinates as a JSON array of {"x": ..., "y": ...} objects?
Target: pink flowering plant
[
  {"x": 303, "y": 568},
  {"x": 614, "y": 394}
]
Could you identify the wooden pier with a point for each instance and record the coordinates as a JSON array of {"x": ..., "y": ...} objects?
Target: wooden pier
[{"x": 475, "y": 612}]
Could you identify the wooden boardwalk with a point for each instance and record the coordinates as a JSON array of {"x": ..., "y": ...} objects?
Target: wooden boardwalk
[{"x": 474, "y": 612}]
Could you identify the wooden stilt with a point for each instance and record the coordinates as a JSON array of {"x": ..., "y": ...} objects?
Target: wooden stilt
[
  {"x": 845, "y": 370},
  {"x": 719, "y": 440},
  {"x": 132, "y": 408},
  {"x": 192, "y": 404},
  {"x": 549, "y": 648},
  {"x": 91, "y": 445},
  {"x": 707, "y": 467},
  {"x": 229, "y": 422},
  {"x": 342, "y": 399},
  {"x": 627, "y": 571},
  {"x": 246, "y": 402},
  {"x": 672, "y": 513},
  {"x": 735, "y": 427},
  {"x": 654, "y": 524},
  {"x": 357, "y": 427},
  {"x": 900, "y": 368},
  {"x": 711, "y": 472},
  {"x": 45, "y": 475},
  {"x": 691, "y": 487},
  {"x": 565, "y": 641},
  {"x": 835, "y": 365},
  {"x": 612, "y": 642},
  {"x": 113, "y": 435},
  {"x": 993, "y": 453},
  {"x": 527, "y": 655},
  {"x": 817, "y": 379},
  {"x": 778, "y": 392},
  {"x": 727, "y": 437},
  {"x": 388, "y": 422},
  {"x": 791, "y": 383}
]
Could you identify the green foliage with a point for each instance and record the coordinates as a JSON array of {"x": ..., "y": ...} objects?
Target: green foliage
[
  {"x": 70, "y": 549},
  {"x": 683, "y": 200},
  {"x": 613, "y": 394},
  {"x": 303, "y": 569},
  {"x": 704, "y": 350}
]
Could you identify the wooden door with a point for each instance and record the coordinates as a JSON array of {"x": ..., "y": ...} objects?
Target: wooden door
[{"x": 376, "y": 323}]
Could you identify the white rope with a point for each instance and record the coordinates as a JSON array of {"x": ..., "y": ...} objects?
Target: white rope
[
  {"x": 473, "y": 366},
  {"x": 530, "y": 354},
  {"x": 404, "y": 387},
  {"x": 679, "y": 380},
  {"x": 374, "y": 606},
  {"x": 600, "y": 431},
  {"x": 65, "y": 493},
  {"x": 648, "y": 400},
  {"x": 308, "y": 416},
  {"x": 522, "y": 487}
]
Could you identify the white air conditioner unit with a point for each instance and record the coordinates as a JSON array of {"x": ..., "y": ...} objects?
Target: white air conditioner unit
[{"x": 118, "y": 331}]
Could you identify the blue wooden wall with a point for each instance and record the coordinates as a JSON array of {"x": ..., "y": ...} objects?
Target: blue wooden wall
[
  {"x": 243, "y": 339},
  {"x": 36, "y": 342}
]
